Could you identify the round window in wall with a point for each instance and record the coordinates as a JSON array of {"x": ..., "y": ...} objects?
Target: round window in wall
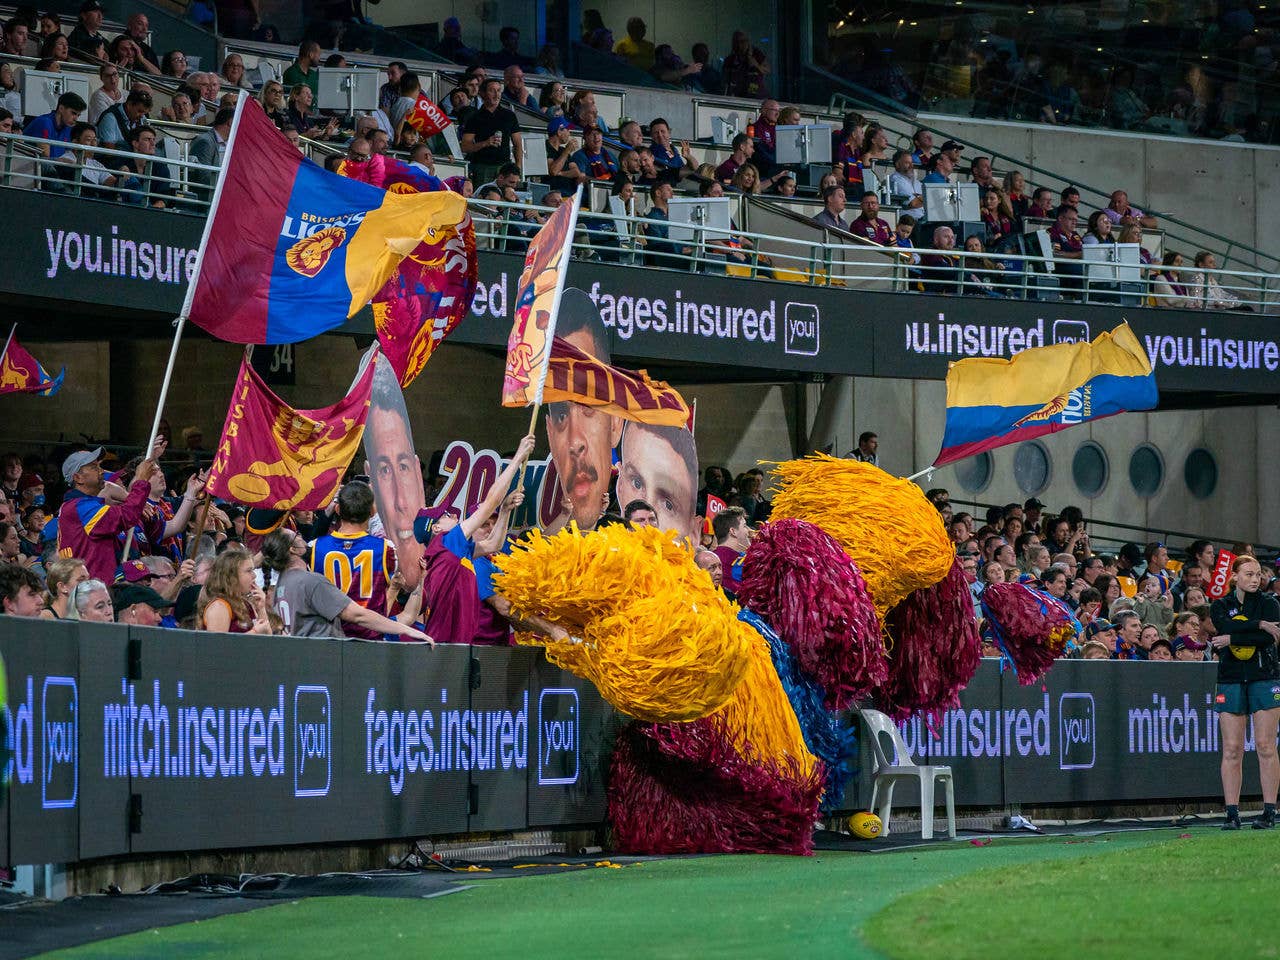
[
  {"x": 1090, "y": 469},
  {"x": 1146, "y": 470},
  {"x": 1031, "y": 467},
  {"x": 1201, "y": 473},
  {"x": 974, "y": 473}
]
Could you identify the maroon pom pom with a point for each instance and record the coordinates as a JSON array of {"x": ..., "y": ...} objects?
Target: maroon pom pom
[
  {"x": 1033, "y": 630},
  {"x": 936, "y": 648},
  {"x": 799, "y": 579},
  {"x": 683, "y": 788}
]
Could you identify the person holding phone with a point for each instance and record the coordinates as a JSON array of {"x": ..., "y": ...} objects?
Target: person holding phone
[{"x": 1247, "y": 622}]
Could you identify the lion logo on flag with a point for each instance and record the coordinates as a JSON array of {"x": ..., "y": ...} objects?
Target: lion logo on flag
[
  {"x": 1047, "y": 412},
  {"x": 309, "y": 255}
]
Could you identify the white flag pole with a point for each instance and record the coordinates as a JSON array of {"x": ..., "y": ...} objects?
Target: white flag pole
[{"x": 180, "y": 322}]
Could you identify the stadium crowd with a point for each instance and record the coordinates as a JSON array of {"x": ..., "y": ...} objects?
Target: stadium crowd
[
  {"x": 196, "y": 564},
  {"x": 644, "y": 164}
]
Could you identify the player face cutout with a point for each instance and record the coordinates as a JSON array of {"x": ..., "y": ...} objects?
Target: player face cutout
[{"x": 652, "y": 471}]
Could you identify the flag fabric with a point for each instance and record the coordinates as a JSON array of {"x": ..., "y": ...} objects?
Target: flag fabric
[
  {"x": 537, "y": 301},
  {"x": 430, "y": 291},
  {"x": 579, "y": 377},
  {"x": 427, "y": 118},
  {"x": 291, "y": 250},
  {"x": 20, "y": 372},
  {"x": 277, "y": 458},
  {"x": 992, "y": 402}
]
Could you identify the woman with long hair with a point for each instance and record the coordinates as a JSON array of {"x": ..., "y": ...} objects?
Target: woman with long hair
[
  {"x": 1109, "y": 588},
  {"x": 273, "y": 102},
  {"x": 62, "y": 576},
  {"x": 231, "y": 601},
  {"x": 1247, "y": 622}
]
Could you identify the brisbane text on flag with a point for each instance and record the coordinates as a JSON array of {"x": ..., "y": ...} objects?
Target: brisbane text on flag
[
  {"x": 578, "y": 376},
  {"x": 278, "y": 458}
]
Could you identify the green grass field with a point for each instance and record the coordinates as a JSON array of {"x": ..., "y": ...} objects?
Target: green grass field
[{"x": 1150, "y": 894}]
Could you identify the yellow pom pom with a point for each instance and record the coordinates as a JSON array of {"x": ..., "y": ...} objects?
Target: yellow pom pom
[
  {"x": 884, "y": 524},
  {"x": 866, "y": 826},
  {"x": 655, "y": 636}
]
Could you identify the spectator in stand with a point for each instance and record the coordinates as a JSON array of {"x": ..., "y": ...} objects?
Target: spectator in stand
[
  {"x": 139, "y": 605},
  {"x": 980, "y": 173},
  {"x": 1156, "y": 555},
  {"x": 940, "y": 172},
  {"x": 20, "y": 591},
  {"x": 905, "y": 188},
  {"x": 10, "y": 96},
  {"x": 548, "y": 62},
  {"x": 1126, "y": 109},
  {"x": 308, "y": 122},
  {"x": 593, "y": 160},
  {"x": 940, "y": 272},
  {"x": 553, "y": 101},
  {"x": 1089, "y": 605},
  {"x": 630, "y": 135},
  {"x": 233, "y": 73},
  {"x": 62, "y": 576},
  {"x": 87, "y": 524},
  {"x": 1099, "y": 232},
  {"x": 875, "y": 146},
  {"x": 107, "y": 95},
  {"x": 138, "y": 28},
  {"x": 744, "y": 149},
  {"x": 491, "y": 135},
  {"x": 746, "y": 69},
  {"x": 1067, "y": 246},
  {"x": 1153, "y": 604},
  {"x": 628, "y": 169},
  {"x": 1159, "y": 649},
  {"x": 1119, "y": 208},
  {"x": 334, "y": 555},
  {"x": 733, "y": 537},
  {"x": 305, "y": 69},
  {"x": 1167, "y": 287},
  {"x": 118, "y": 121},
  {"x": 1129, "y": 636},
  {"x": 85, "y": 34},
  {"x": 15, "y": 38},
  {"x": 708, "y": 561},
  {"x": 1041, "y": 205},
  {"x": 309, "y": 605},
  {"x": 1061, "y": 101},
  {"x": 514, "y": 90},
  {"x": 922, "y": 144},
  {"x": 389, "y": 92},
  {"x": 993, "y": 572},
  {"x": 273, "y": 104},
  {"x": 669, "y": 68},
  {"x": 659, "y": 250},
  {"x": 765, "y": 133},
  {"x": 997, "y": 215},
  {"x": 56, "y": 126},
  {"x": 869, "y": 224},
  {"x": 1205, "y": 290},
  {"x": 96, "y": 180},
  {"x": 562, "y": 173},
  {"x": 832, "y": 213},
  {"x": 508, "y": 52},
  {"x": 867, "y": 449},
  {"x": 91, "y": 602},
  {"x": 174, "y": 65},
  {"x": 634, "y": 48},
  {"x": 710, "y": 80},
  {"x": 123, "y": 52},
  {"x": 639, "y": 513},
  {"x": 981, "y": 273},
  {"x": 211, "y": 146},
  {"x": 451, "y": 44},
  {"x": 746, "y": 179},
  {"x": 670, "y": 161},
  {"x": 145, "y": 180},
  {"x": 1133, "y": 234},
  {"x": 1015, "y": 188}
]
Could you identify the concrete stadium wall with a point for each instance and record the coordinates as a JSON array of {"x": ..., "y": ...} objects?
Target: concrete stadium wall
[{"x": 737, "y": 425}]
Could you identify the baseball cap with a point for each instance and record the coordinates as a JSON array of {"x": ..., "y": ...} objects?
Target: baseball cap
[
  {"x": 131, "y": 593},
  {"x": 185, "y": 605},
  {"x": 78, "y": 461},
  {"x": 426, "y": 521},
  {"x": 1096, "y": 627},
  {"x": 135, "y": 571},
  {"x": 1033, "y": 504},
  {"x": 556, "y": 124},
  {"x": 953, "y": 145},
  {"x": 90, "y": 5},
  {"x": 30, "y": 480}
]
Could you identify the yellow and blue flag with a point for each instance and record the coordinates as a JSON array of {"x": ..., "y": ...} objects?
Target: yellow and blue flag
[
  {"x": 291, "y": 250},
  {"x": 992, "y": 402}
]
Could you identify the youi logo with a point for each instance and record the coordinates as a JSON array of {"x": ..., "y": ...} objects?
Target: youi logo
[
  {"x": 60, "y": 743},
  {"x": 800, "y": 328},
  {"x": 1077, "y": 732},
  {"x": 559, "y": 715},
  {"x": 312, "y": 741}
]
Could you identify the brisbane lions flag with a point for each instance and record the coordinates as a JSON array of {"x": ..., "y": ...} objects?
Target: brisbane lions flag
[
  {"x": 20, "y": 372},
  {"x": 291, "y": 250},
  {"x": 277, "y": 458}
]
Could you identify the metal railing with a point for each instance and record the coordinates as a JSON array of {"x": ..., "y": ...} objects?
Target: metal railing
[{"x": 818, "y": 255}]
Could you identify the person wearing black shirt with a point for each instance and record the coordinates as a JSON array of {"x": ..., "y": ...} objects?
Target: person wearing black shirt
[
  {"x": 1248, "y": 625},
  {"x": 491, "y": 134}
]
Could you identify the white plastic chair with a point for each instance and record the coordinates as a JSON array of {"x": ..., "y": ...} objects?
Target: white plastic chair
[{"x": 889, "y": 772}]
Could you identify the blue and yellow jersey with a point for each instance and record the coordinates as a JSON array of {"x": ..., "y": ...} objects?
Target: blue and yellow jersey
[{"x": 361, "y": 566}]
